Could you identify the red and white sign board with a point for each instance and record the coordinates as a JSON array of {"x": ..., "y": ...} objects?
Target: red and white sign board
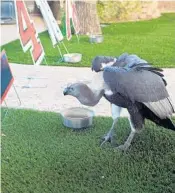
[
  {"x": 27, "y": 32},
  {"x": 71, "y": 13}
]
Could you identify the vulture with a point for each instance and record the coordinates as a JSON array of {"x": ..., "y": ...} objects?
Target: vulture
[
  {"x": 124, "y": 60},
  {"x": 128, "y": 82}
]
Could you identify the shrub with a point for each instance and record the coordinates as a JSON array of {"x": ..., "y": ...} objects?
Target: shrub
[{"x": 112, "y": 11}]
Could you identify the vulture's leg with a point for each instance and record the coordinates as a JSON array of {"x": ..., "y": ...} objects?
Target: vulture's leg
[
  {"x": 127, "y": 143},
  {"x": 109, "y": 135},
  {"x": 116, "y": 110}
]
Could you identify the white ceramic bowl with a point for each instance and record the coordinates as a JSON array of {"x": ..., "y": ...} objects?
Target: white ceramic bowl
[
  {"x": 77, "y": 117},
  {"x": 72, "y": 58},
  {"x": 96, "y": 38}
]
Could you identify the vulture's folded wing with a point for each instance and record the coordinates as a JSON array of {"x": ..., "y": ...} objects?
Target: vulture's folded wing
[
  {"x": 126, "y": 60},
  {"x": 142, "y": 86}
]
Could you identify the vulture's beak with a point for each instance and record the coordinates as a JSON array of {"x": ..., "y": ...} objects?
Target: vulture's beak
[
  {"x": 66, "y": 91},
  {"x": 101, "y": 69},
  {"x": 103, "y": 65}
]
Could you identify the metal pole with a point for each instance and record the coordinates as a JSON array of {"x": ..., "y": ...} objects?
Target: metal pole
[
  {"x": 5, "y": 116},
  {"x": 45, "y": 60},
  {"x": 78, "y": 38},
  {"x": 65, "y": 47},
  {"x": 59, "y": 51},
  {"x": 6, "y": 110},
  {"x": 17, "y": 95}
]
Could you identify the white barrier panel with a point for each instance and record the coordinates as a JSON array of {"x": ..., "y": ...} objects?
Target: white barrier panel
[{"x": 52, "y": 26}]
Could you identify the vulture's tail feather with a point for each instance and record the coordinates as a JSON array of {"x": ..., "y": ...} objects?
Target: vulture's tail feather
[{"x": 166, "y": 122}]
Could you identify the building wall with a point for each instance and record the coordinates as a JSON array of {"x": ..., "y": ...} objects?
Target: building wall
[
  {"x": 143, "y": 10},
  {"x": 119, "y": 11},
  {"x": 166, "y": 6}
]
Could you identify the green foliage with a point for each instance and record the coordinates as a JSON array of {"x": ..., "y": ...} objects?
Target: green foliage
[
  {"x": 112, "y": 11},
  {"x": 63, "y": 26},
  {"x": 152, "y": 40},
  {"x": 40, "y": 155}
]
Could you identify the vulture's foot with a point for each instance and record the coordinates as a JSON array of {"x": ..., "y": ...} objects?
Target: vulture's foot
[
  {"x": 123, "y": 147},
  {"x": 108, "y": 138},
  {"x": 127, "y": 143}
]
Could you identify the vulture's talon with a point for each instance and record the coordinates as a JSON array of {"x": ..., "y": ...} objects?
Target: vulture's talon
[{"x": 107, "y": 138}]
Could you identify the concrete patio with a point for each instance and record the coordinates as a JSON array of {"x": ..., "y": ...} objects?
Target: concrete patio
[{"x": 46, "y": 92}]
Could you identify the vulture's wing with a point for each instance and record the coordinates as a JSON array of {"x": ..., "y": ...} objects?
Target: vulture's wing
[
  {"x": 141, "y": 85},
  {"x": 126, "y": 60}
]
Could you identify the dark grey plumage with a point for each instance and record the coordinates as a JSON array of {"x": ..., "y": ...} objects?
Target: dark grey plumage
[
  {"x": 137, "y": 85},
  {"x": 124, "y": 60},
  {"x": 142, "y": 91},
  {"x": 141, "y": 87}
]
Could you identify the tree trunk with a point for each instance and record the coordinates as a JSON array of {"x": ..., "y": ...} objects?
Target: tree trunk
[
  {"x": 88, "y": 17},
  {"x": 55, "y": 7}
]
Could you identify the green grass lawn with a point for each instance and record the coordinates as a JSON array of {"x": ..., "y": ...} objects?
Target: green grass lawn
[
  {"x": 153, "y": 40},
  {"x": 40, "y": 155}
]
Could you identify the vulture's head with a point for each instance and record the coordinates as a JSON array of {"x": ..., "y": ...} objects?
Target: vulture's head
[
  {"x": 75, "y": 89},
  {"x": 99, "y": 62},
  {"x": 84, "y": 93}
]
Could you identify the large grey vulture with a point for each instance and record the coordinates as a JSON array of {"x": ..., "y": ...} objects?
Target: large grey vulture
[
  {"x": 124, "y": 60},
  {"x": 138, "y": 87}
]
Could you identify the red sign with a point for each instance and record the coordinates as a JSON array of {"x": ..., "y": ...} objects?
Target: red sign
[
  {"x": 71, "y": 13},
  {"x": 68, "y": 27},
  {"x": 6, "y": 76},
  {"x": 28, "y": 35},
  {"x": 75, "y": 18}
]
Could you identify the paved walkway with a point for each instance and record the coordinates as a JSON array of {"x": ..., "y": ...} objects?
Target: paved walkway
[
  {"x": 9, "y": 32},
  {"x": 54, "y": 79}
]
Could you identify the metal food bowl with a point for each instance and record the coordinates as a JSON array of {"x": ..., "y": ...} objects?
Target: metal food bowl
[
  {"x": 77, "y": 117},
  {"x": 96, "y": 38},
  {"x": 72, "y": 58}
]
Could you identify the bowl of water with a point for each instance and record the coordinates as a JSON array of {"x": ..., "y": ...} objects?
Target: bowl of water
[
  {"x": 77, "y": 117},
  {"x": 72, "y": 58},
  {"x": 96, "y": 38}
]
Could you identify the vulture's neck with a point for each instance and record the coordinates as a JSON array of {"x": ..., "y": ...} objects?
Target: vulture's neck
[{"x": 90, "y": 97}]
